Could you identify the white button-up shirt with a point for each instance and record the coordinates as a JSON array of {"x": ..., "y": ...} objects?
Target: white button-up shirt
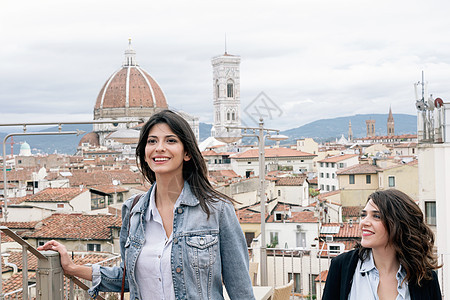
[
  {"x": 367, "y": 278},
  {"x": 153, "y": 266}
]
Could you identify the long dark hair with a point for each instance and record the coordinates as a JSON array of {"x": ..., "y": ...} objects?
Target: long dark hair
[
  {"x": 411, "y": 238},
  {"x": 195, "y": 171}
]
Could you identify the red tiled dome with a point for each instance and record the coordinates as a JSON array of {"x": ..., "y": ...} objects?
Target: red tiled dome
[
  {"x": 91, "y": 138},
  {"x": 129, "y": 92}
]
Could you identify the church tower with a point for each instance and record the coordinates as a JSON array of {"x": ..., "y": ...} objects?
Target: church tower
[
  {"x": 370, "y": 124},
  {"x": 390, "y": 124},
  {"x": 226, "y": 95},
  {"x": 350, "y": 132}
]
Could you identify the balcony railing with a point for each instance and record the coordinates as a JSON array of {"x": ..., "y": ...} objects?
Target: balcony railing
[
  {"x": 50, "y": 282},
  {"x": 306, "y": 267}
]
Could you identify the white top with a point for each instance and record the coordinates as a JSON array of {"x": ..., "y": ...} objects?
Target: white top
[
  {"x": 153, "y": 267},
  {"x": 366, "y": 280}
]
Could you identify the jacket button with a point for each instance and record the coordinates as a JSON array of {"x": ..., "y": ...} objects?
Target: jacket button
[
  {"x": 202, "y": 241},
  {"x": 180, "y": 210},
  {"x": 178, "y": 270},
  {"x": 175, "y": 240}
]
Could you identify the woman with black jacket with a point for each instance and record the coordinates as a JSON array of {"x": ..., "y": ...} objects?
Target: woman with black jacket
[{"x": 395, "y": 259}]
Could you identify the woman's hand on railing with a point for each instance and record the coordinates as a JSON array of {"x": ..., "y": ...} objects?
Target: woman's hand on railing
[{"x": 67, "y": 264}]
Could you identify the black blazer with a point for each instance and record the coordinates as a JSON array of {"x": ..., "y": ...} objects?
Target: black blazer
[{"x": 340, "y": 277}]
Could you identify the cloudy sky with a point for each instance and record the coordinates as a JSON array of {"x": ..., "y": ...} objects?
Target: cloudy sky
[{"x": 314, "y": 58}]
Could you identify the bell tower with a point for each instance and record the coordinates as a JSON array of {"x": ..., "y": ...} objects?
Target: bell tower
[
  {"x": 226, "y": 94},
  {"x": 390, "y": 124}
]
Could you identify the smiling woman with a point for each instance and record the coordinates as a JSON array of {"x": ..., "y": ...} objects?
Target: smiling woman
[
  {"x": 181, "y": 239},
  {"x": 395, "y": 259}
]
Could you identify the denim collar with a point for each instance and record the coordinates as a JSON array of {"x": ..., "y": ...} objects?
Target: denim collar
[{"x": 186, "y": 198}]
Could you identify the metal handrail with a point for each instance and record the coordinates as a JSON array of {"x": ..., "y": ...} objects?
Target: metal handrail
[{"x": 27, "y": 247}]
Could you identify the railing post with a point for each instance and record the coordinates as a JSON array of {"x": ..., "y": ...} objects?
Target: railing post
[
  {"x": 25, "y": 272},
  {"x": 49, "y": 277}
]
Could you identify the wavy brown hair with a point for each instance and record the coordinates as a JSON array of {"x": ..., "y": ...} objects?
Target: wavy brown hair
[
  {"x": 411, "y": 238},
  {"x": 195, "y": 171}
]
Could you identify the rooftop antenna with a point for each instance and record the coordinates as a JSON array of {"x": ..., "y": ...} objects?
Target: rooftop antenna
[{"x": 226, "y": 44}]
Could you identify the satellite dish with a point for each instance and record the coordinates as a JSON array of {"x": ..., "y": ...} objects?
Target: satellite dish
[
  {"x": 420, "y": 105},
  {"x": 115, "y": 182},
  {"x": 438, "y": 102}
]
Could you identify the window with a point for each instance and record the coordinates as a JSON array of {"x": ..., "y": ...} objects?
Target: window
[
  {"x": 328, "y": 187},
  {"x": 368, "y": 179},
  {"x": 41, "y": 243},
  {"x": 249, "y": 163},
  {"x": 321, "y": 175},
  {"x": 60, "y": 205},
  {"x": 333, "y": 188},
  {"x": 230, "y": 90},
  {"x": 300, "y": 239},
  {"x": 217, "y": 88},
  {"x": 332, "y": 175},
  {"x": 278, "y": 216},
  {"x": 341, "y": 165},
  {"x": 279, "y": 193},
  {"x": 249, "y": 236},
  {"x": 332, "y": 165},
  {"x": 93, "y": 247},
  {"x": 336, "y": 249},
  {"x": 327, "y": 164},
  {"x": 321, "y": 164},
  {"x": 430, "y": 213},
  {"x": 233, "y": 116},
  {"x": 312, "y": 286},
  {"x": 391, "y": 181},
  {"x": 321, "y": 187},
  {"x": 297, "y": 287},
  {"x": 351, "y": 179},
  {"x": 228, "y": 116},
  {"x": 274, "y": 238},
  {"x": 328, "y": 175}
]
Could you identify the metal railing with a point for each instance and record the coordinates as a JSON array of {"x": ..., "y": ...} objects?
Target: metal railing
[
  {"x": 50, "y": 282},
  {"x": 305, "y": 267}
]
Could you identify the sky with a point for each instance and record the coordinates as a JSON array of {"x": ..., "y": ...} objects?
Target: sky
[{"x": 314, "y": 59}]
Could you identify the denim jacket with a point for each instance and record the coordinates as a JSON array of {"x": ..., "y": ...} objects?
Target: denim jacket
[{"x": 206, "y": 253}]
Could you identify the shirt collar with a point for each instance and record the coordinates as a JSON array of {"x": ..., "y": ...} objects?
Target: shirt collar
[
  {"x": 153, "y": 211},
  {"x": 368, "y": 265}
]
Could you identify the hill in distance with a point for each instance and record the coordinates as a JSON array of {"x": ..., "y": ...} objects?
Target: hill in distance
[
  {"x": 330, "y": 129},
  {"x": 320, "y": 130}
]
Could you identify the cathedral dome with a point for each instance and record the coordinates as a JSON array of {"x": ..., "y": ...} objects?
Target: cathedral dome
[
  {"x": 129, "y": 92},
  {"x": 91, "y": 139}
]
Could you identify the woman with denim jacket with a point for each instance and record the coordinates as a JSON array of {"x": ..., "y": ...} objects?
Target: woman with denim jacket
[{"x": 182, "y": 239}]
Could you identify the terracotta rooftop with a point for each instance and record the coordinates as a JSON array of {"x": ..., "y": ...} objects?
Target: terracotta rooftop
[
  {"x": 272, "y": 153},
  {"x": 223, "y": 173},
  {"x": 248, "y": 216},
  {"x": 109, "y": 188},
  {"x": 351, "y": 211},
  {"x": 337, "y": 158},
  {"x": 19, "y": 174},
  {"x": 290, "y": 181},
  {"x": 403, "y": 136},
  {"x": 323, "y": 196},
  {"x": 104, "y": 177},
  {"x": 209, "y": 153},
  {"x": 55, "y": 195},
  {"x": 296, "y": 216},
  {"x": 359, "y": 169},
  {"x": 346, "y": 230},
  {"x": 76, "y": 226},
  {"x": 322, "y": 277}
]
